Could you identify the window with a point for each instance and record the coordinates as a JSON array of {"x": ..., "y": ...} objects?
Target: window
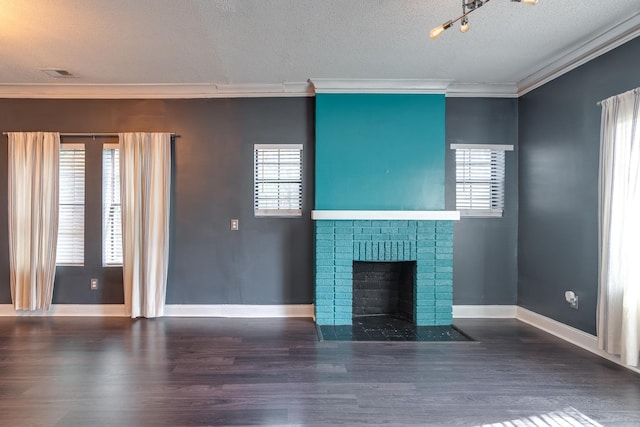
[
  {"x": 70, "y": 246},
  {"x": 277, "y": 180},
  {"x": 111, "y": 211},
  {"x": 480, "y": 179}
]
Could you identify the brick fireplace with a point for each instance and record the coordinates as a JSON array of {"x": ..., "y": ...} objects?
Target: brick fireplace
[{"x": 427, "y": 242}]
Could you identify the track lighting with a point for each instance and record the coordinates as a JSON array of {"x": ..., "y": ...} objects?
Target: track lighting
[{"x": 468, "y": 6}]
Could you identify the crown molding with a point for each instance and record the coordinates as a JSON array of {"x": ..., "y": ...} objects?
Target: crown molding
[
  {"x": 380, "y": 86},
  {"x": 154, "y": 91},
  {"x": 576, "y": 56},
  {"x": 482, "y": 90}
]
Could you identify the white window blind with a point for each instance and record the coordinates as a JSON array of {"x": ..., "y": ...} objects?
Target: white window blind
[
  {"x": 70, "y": 246},
  {"x": 480, "y": 172},
  {"x": 278, "y": 179},
  {"x": 111, "y": 209}
]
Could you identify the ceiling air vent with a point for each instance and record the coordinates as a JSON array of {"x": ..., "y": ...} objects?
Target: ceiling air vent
[{"x": 58, "y": 74}]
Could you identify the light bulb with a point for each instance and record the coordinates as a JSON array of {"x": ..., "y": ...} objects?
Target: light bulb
[
  {"x": 464, "y": 25},
  {"x": 435, "y": 33}
]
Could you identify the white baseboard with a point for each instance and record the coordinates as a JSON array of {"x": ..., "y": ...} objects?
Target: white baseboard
[
  {"x": 484, "y": 311},
  {"x": 84, "y": 310},
  {"x": 170, "y": 310},
  {"x": 238, "y": 310},
  {"x": 568, "y": 333}
]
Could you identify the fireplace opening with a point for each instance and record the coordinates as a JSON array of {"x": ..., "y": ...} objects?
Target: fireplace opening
[{"x": 384, "y": 289}]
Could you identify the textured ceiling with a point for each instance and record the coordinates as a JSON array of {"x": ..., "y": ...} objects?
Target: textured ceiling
[{"x": 275, "y": 41}]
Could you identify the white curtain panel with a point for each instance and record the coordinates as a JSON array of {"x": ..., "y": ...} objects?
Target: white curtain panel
[
  {"x": 33, "y": 159},
  {"x": 619, "y": 233},
  {"x": 145, "y": 176}
]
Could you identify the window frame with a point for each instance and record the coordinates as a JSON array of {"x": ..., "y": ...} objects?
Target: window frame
[
  {"x": 286, "y": 211},
  {"x": 105, "y": 262},
  {"x": 496, "y": 182},
  {"x": 68, "y": 146}
]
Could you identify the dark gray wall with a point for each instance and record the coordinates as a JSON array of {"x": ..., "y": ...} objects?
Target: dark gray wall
[
  {"x": 559, "y": 137},
  {"x": 269, "y": 261},
  {"x": 485, "y": 249}
]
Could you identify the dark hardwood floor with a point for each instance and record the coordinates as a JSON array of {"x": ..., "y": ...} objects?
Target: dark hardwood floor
[{"x": 204, "y": 371}]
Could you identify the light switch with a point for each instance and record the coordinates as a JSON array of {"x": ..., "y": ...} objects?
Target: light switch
[{"x": 234, "y": 225}]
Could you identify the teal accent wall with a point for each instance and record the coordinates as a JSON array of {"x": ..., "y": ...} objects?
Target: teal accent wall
[{"x": 380, "y": 152}]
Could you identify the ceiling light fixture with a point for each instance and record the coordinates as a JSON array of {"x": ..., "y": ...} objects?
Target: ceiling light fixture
[{"x": 468, "y": 6}]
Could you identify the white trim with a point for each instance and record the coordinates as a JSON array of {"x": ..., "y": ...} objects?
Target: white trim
[
  {"x": 484, "y": 311},
  {"x": 482, "y": 90},
  {"x": 84, "y": 310},
  {"x": 381, "y": 86},
  {"x": 154, "y": 91},
  {"x": 277, "y": 146},
  {"x": 386, "y": 215},
  {"x": 494, "y": 147},
  {"x": 238, "y": 310},
  {"x": 567, "y": 333},
  {"x": 170, "y": 310},
  {"x": 604, "y": 42}
]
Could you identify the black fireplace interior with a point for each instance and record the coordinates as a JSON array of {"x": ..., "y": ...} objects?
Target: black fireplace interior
[{"x": 384, "y": 289}]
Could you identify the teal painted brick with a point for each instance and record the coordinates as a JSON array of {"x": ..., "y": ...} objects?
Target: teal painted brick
[
  {"x": 402, "y": 236},
  {"x": 444, "y": 303},
  {"x": 324, "y": 289},
  {"x": 328, "y": 237},
  {"x": 324, "y": 262},
  {"x": 325, "y": 310},
  {"x": 343, "y": 302},
  {"x": 344, "y": 269},
  {"x": 344, "y": 295},
  {"x": 344, "y": 242},
  {"x": 343, "y": 231},
  {"x": 343, "y": 309},
  {"x": 344, "y": 223},
  {"x": 420, "y": 287},
  {"x": 344, "y": 282},
  {"x": 389, "y": 230},
  {"x": 443, "y": 282},
  {"x": 444, "y": 262},
  {"x": 426, "y": 249},
  {"x": 425, "y": 276},
  {"x": 325, "y": 281},
  {"x": 324, "y": 243},
  {"x": 399, "y": 223},
  {"x": 362, "y": 237},
  {"x": 343, "y": 275},
  {"x": 324, "y": 321},
  {"x": 444, "y": 289},
  {"x": 344, "y": 289},
  {"x": 443, "y": 269},
  {"x": 328, "y": 250},
  {"x": 444, "y": 250},
  {"x": 324, "y": 275},
  {"x": 325, "y": 223},
  {"x": 362, "y": 223},
  {"x": 425, "y": 267},
  {"x": 426, "y": 225},
  {"x": 344, "y": 254},
  {"x": 324, "y": 231},
  {"x": 431, "y": 244},
  {"x": 344, "y": 262},
  {"x": 343, "y": 250},
  {"x": 443, "y": 276},
  {"x": 444, "y": 296},
  {"x": 425, "y": 320},
  {"x": 444, "y": 256},
  {"x": 325, "y": 256},
  {"x": 444, "y": 225},
  {"x": 444, "y": 243},
  {"x": 421, "y": 235},
  {"x": 379, "y": 223},
  {"x": 320, "y": 296},
  {"x": 374, "y": 231},
  {"x": 324, "y": 269},
  {"x": 357, "y": 230}
]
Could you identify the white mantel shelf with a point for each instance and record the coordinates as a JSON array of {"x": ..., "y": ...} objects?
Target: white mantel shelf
[{"x": 387, "y": 215}]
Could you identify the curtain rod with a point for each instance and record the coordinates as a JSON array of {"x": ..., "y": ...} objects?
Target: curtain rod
[{"x": 88, "y": 134}]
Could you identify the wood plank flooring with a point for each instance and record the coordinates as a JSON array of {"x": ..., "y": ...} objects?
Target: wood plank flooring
[{"x": 204, "y": 371}]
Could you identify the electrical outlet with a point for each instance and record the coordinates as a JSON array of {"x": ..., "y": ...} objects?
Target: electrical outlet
[
  {"x": 94, "y": 284},
  {"x": 234, "y": 225}
]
